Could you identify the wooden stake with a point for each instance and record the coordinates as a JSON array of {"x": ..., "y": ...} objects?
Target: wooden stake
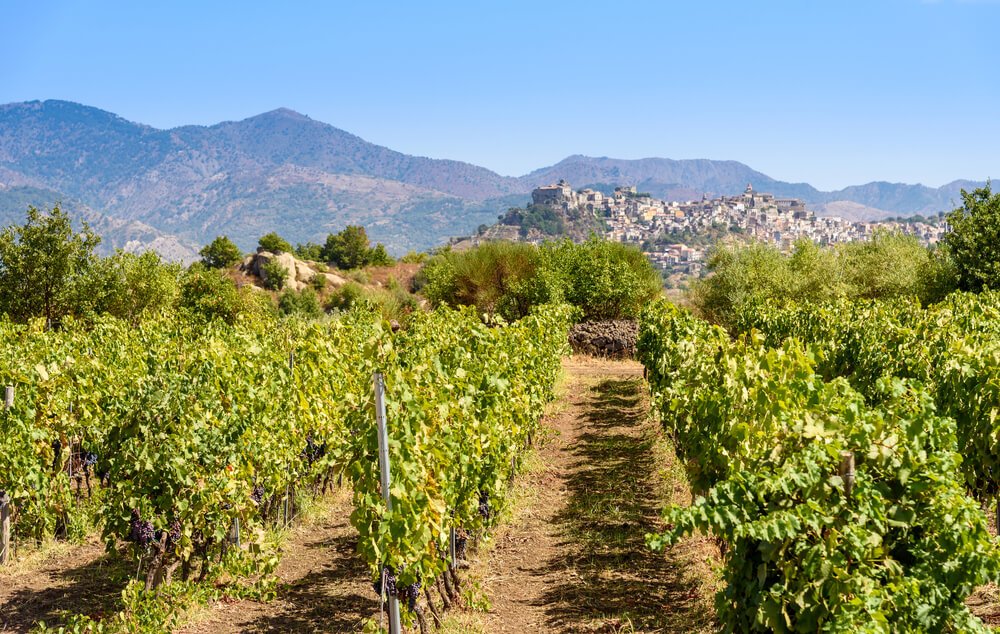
[
  {"x": 847, "y": 471},
  {"x": 4, "y": 528},
  {"x": 8, "y": 401}
]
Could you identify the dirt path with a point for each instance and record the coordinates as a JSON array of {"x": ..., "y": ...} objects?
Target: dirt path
[
  {"x": 575, "y": 559},
  {"x": 63, "y": 577},
  {"x": 325, "y": 585}
]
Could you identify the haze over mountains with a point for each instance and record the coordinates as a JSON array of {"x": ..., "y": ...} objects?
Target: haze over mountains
[{"x": 174, "y": 190}]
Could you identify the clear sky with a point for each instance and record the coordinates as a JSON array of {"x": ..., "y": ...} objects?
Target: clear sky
[{"x": 829, "y": 92}]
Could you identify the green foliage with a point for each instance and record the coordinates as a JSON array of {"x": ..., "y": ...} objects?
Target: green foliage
[
  {"x": 273, "y": 275},
  {"x": 413, "y": 257},
  {"x": 545, "y": 219},
  {"x": 502, "y": 278},
  {"x": 318, "y": 282},
  {"x": 304, "y": 303},
  {"x": 310, "y": 251},
  {"x": 606, "y": 280},
  {"x": 209, "y": 294},
  {"x": 129, "y": 286},
  {"x": 345, "y": 297},
  {"x": 41, "y": 264},
  {"x": 220, "y": 253},
  {"x": 974, "y": 240},
  {"x": 888, "y": 265},
  {"x": 199, "y": 424},
  {"x": 763, "y": 437},
  {"x": 351, "y": 249},
  {"x": 274, "y": 243}
]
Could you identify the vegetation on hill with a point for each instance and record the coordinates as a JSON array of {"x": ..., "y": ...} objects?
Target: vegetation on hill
[{"x": 605, "y": 280}]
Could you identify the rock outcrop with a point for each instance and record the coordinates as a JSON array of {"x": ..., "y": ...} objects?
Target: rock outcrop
[
  {"x": 298, "y": 274},
  {"x": 615, "y": 339}
]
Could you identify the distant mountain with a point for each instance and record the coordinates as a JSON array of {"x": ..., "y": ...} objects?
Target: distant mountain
[{"x": 177, "y": 189}]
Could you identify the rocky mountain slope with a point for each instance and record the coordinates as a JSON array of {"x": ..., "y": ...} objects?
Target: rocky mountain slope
[{"x": 177, "y": 189}]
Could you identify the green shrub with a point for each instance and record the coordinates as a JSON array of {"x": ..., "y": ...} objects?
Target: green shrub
[
  {"x": 606, "y": 280},
  {"x": 129, "y": 286},
  {"x": 309, "y": 251},
  {"x": 210, "y": 294},
  {"x": 304, "y": 303},
  {"x": 412, "y": 257},
  {"x": 273, "y": 275},
  {"x": 502, "y": 278},
  {"x": 274, "y": 243},
  {"x": 974, "y": 240},
  {"x": 220, "y": 253},
  {"x": 351, "y": 249},
  {"x": 345, "y": 297},
  {"x": 318, "y": 282}
]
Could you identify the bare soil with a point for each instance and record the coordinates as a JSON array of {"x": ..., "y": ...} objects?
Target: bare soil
[{"x": 575, "y": 559}]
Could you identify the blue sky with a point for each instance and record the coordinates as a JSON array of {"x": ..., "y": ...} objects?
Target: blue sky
[{"x": 832, "y": 93}]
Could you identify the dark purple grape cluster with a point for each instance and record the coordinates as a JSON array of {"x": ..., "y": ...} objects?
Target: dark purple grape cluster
[
  {"x": 313, "y": 451},
  {"x": 257, "y": 495},
  {"x": 174, "y": 534},
  {"x": 140, "y": 531},
  {"x": 89, "y": 458},
  {"x": 410, "y": 594},
  {"x": 461, "y": 542},
  {"x": 389, "y": 575},
  {"x": 485, "y": 510}
]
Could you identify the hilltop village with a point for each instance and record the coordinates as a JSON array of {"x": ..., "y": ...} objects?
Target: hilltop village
[{"x": 676, "y": 235}]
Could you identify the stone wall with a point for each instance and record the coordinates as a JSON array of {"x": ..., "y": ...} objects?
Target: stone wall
[{"x": 615, "y": 339}]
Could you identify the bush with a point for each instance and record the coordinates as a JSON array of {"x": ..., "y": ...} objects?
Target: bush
[
  {"x": 318, "y": 282},
  {"x": 309, "y": 251},
  {"x": 504, "y": 278},
  {"x": 210, "y": 294},
  {"x": 351, "y": 249},
  {"x": 273, "y": 275},
  {"x": 888, "y": 265},
  {"x": 129, "y": 286},
  {"x": 345, "y": 297},
  {"x": 220, "y": 253},
  {"x": 274, "y": 243},
  {"x": 606, "y": 280},
  {"x": 412, "y": 257},
  {"x": 304, "y": 303}
]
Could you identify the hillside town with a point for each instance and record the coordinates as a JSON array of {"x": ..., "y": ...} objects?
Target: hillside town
[{"x": 665, "y": 229}]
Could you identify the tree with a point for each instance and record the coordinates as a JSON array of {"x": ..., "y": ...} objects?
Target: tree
[
  {"x": 351, "y": 249},
  {"x": 274, "y": 243},
  {"x": 129, "y": 286},
  {"x": 40, "y": 262},
  {"x": 974, "y": 240},
  {"x": 221, "y": 253}
]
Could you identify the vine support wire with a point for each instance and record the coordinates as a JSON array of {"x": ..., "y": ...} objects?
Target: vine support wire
[{"x": 383, "y": 460}]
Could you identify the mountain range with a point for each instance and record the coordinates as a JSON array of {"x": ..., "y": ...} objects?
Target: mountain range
[{"x": 174, "y": 190}]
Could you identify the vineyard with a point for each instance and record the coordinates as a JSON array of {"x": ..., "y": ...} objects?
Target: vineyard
[
  {"x": 844, "y": 455},
  {"x": 189, "y": 441}
]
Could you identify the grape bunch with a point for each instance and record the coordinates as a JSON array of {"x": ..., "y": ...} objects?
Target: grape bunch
[
  {"x": 174, "y": 534},
  {"x": 257, "y": 495},
  {"x": 461, "y": 542},
  {"x": 313, "y": 451},
  {"x": 389, "y": 576},
  {"x": 410, "y": 594},
  {"x": 89, "y": 459},
  {"x": 140, "y": 531},
  {"x": 485, "y": 510}
]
